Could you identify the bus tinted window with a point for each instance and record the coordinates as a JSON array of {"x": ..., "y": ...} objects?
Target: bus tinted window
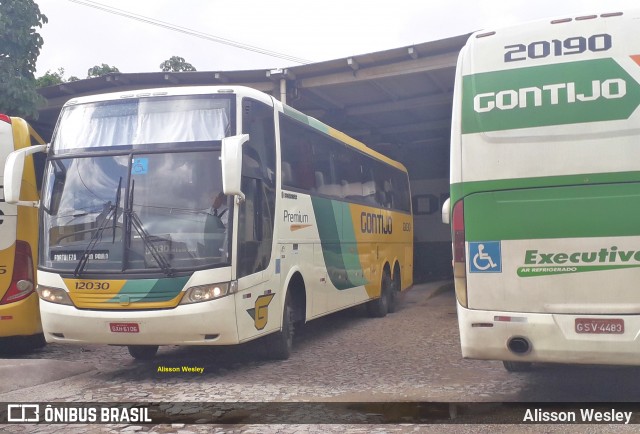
[
  {"x": 318, "y": 164},
  {"x": 296, "y": 149}
]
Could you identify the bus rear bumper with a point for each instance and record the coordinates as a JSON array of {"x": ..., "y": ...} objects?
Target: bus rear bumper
[
  {"x": 21, "y": 318},
  {"x": 206, "y": 323},
  {"x": 546, "y": 338}
]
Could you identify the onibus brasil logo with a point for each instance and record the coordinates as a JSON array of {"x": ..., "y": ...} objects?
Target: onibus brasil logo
[{"x": 539, "y": 263}]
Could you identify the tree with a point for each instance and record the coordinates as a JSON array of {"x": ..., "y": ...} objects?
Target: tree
[
  {"x": 100, "y": 70},
  {"x": 176, "y": 64},
  {"x": 20, "y": 45},
  {"x": 51, "y": 78}
]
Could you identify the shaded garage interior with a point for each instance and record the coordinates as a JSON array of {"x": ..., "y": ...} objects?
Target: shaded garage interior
[{"x": 395, "y": 101}]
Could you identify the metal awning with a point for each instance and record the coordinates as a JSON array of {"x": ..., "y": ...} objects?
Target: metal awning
[{"x": 396, "y": 101}]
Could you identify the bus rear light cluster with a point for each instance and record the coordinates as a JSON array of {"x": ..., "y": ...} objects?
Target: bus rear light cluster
[
  {"x": 459, "y": 253},
  {"x": 22, "y": 282}
]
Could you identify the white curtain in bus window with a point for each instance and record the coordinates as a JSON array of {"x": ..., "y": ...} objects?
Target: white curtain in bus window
[
  {"x": 181, "y": 120},
  {"x": 94, "y": 125},
  {"x": 151, "y": 120}
]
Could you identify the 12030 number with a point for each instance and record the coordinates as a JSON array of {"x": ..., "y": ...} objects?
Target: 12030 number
[{"x": 92, "y": 285}]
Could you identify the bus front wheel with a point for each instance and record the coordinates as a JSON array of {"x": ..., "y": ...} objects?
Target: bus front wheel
[
  {"x": 280, "y": 344},
  {"x": 143, "y": 352}
]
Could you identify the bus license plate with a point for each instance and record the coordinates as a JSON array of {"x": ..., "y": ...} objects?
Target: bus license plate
[
  {"x": 124, "y": 327},
  {"x": 600, "y": 326}
]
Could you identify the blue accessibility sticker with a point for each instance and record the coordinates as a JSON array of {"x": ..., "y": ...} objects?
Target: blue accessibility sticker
[
  {"x": 485, "y": 257},
  {"x": 140, "y": 166}
]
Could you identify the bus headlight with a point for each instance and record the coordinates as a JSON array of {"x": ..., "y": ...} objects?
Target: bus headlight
[
  {"x": 197, "y": 294},
  {"x": 54, "y": 295}
]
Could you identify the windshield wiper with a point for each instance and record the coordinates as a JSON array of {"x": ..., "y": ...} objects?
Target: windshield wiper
[
  {"x": 134, "y": 221},
  {"x": 115, "y": 213},
  {"x": 146, "y": 239},
  {"x": 111, "y": 212},
  {"x": 97, "y": 235}
]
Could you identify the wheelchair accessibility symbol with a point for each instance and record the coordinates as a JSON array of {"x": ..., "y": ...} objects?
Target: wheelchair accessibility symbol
[
  {"x": 140, "y": 166},
  {"x": 485, "y": 257}
]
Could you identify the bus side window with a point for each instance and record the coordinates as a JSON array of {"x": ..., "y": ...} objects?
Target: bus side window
[{"x": 255, "y": 230}]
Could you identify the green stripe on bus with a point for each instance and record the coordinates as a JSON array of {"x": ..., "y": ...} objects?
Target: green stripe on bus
[
  {"x": 605, "y": 210},
  {"x": 460, "y": 190},
  {"x": 568, "y": 269},
  {"x": 151, "y": 290},
  {"x": 558, "y": 94},
  {"x": 307, "y": 120},
  {"x": 342, "y": 266}
]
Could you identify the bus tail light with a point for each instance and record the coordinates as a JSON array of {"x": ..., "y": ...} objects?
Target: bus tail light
[
  {"x": 5, "y": 118},
  {"x": 459, "y": 253},
  {"x": 22, "y": 282}
]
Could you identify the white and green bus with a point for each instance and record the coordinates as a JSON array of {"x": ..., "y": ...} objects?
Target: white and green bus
[
  {"x": 545, "y": 192},
  {"x": 210, "y": 216}
]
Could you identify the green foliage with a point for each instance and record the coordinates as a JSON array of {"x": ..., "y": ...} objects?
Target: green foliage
[
  {"x": 53, "y": 78},
  {"x": 50, "y": 78},
  {"x": 100, "y": 70},
  {"x": 20, "y": 45},
  {"x": 176, "y": 64}
]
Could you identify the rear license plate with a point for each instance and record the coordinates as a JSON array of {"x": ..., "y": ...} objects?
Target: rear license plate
[
  {"x": 609, "y": 326},
  {"x": 124, "y": 327}
]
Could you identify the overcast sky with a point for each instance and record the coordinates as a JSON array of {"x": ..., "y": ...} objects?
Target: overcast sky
[{"x": 78, "y": 36}]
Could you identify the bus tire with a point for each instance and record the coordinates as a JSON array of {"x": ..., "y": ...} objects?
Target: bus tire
[
  {"x": 280, "y": 344},
  {"x": 143, "y": 352},
  {"x": 516, "y": 366},
  {"x": 21, "y": 344},
  {"x": 379, "y": 307},
  {"x": 36, "y": 342},
  {"x": 394, "y": 293}
]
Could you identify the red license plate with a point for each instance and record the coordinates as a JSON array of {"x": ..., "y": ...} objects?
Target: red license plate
[
  {"x": 609, "y": 326},
  {"x": 124, "y": 327}
]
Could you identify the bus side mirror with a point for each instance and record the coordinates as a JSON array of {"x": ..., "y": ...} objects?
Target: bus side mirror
[
  {"x": 231, "y": 160},
  {"x": 446, "y": 211},
  {"x": 13, "y": 168}
]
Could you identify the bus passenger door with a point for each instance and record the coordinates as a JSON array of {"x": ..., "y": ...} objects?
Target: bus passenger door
[{"x": 257, "y": 304}]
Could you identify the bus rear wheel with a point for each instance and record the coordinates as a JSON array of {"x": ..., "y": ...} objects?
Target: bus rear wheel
[
  {"x": 394, "y": 292},
  {"x": 379, "y": 307},
  {"x": 280, "y": 344},
  {"x": 143, "y": 352},
  {"x": 516, "y": 366}
]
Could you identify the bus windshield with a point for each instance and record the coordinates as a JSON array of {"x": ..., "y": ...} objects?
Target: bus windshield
[{"x": 123, "y": 197}]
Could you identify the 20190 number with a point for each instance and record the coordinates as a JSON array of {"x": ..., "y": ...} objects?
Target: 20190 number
[{"x": 556, "y": 47}]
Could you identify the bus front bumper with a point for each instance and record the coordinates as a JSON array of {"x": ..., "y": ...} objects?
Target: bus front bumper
[
  {"x": 206, "y": 323},
  {"x": 551, "y": 338}
]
